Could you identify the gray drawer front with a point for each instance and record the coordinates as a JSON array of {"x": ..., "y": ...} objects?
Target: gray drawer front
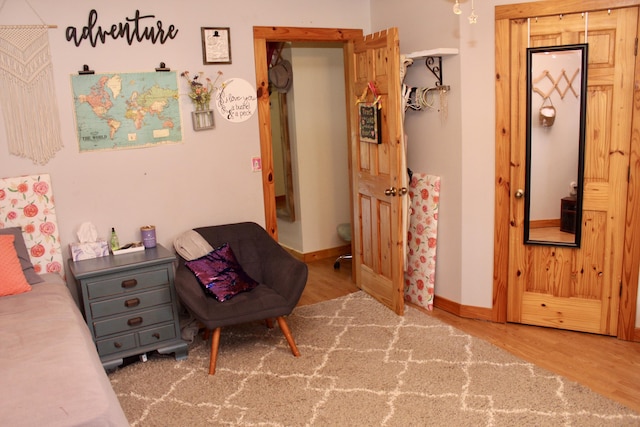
[
  {"x": 117, "y": 284},
  {"x": 115, "y": 345},
  {"x": 133, "y": 321},
  {"x": 155, "y": 335},
  {"x": 130, "y": 303}
]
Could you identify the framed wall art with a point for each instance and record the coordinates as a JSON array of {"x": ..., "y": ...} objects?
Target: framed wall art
[
  {"x": 216, "y": 45},
  {"x": 370, "y": 122}
]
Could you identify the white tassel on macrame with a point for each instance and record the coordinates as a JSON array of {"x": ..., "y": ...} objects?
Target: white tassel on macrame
[{"x": 28, "y": 101}]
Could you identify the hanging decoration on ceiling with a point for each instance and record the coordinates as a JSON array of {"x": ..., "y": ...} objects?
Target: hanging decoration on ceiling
[
  {"x": 473, "y": 18},
  {"x": 28, "y": 101}
]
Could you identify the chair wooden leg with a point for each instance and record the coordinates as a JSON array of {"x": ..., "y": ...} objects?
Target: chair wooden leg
[
  {"x": 213, "y": 358},
  {"x": 269, "y": 323},
  {"x": 287, "y": 334}
]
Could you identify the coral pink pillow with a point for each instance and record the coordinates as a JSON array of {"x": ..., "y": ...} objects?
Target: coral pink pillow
[{"x": 12, "y": 280}]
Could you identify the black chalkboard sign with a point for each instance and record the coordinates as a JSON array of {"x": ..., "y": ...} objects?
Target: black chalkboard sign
[{"x": 369, "y": 117}]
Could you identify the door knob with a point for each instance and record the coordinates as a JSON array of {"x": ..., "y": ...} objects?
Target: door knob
[
  {"x": 519, "y": 193},
  {"x": 391, "y": 191},
  {"x": 402, "y": 191}
]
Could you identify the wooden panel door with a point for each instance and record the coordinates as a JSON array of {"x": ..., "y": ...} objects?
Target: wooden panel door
[
  {"x": 377, "y": 172},
  {"x": 561, "y": 287}
]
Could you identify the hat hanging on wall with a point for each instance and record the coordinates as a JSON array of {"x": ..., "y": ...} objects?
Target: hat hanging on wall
[
  {"x": 281, "y": 76},
  {"x": 547, "y": 113}
]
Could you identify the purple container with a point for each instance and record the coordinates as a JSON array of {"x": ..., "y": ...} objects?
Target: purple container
[{"x": 148, "y": 233}]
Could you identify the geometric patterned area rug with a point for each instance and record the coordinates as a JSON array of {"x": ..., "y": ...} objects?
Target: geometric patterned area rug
[{"x": 360, "y": 365}]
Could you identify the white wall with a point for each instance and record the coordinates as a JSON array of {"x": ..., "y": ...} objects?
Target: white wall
[
  {"x": 319, "y": 148},
  {"x": 321, "y": 139},
  {"x": 435, "y": 142},
  {"x": 208, "y": 178},
  {"x": 461, "y": 148},
  {"x": 205, "y": 180}
]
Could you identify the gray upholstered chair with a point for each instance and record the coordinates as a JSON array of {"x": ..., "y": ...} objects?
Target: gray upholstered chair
[{"x": 281, "y": 278}]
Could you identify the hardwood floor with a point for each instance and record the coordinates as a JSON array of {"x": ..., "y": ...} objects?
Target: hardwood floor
[
  {"x": 325, "y": 282},
  {"x": 608, "y": 366}
]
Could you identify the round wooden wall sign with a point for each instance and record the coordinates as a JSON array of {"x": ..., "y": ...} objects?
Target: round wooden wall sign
[{"x": 236, "y": 100}]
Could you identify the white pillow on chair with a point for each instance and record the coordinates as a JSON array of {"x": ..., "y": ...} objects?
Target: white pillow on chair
[{"x": 191, "y": 245}]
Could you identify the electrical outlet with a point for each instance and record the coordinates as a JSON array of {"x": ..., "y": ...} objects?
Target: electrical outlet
[{"x": 256, "y": 164}]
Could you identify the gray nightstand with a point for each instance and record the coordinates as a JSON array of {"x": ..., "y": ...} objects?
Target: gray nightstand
[{"x": 130, "y": 304}]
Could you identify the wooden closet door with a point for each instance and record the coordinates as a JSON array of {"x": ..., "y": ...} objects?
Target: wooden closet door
[
  {"x": 377, "y": 171},
  {"x": 564, "y": 287}
]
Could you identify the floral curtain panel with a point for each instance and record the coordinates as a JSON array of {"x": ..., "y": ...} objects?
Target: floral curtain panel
[{"x": 420, "y": 275}]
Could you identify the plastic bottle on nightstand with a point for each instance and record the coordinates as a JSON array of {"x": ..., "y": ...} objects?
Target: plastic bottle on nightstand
[{"x": 115, "y": 244}]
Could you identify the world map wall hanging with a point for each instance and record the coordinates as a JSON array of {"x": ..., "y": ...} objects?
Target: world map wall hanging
[{"x": 126, "y": 110}]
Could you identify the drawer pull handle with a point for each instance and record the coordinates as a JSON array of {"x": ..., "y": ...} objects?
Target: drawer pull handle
[
  {"x": 156, "y": 336},
  {"x": 129, "y": 283},
  {"x": 133, "y": 302},
  {"x": 135, "y": 321},
  {"x": 117, "y": 344}
]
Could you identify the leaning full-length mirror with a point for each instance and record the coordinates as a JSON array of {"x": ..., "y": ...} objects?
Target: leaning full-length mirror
[
  {"x": 556, "y": 106},
  {"x": 282, "y": 171}
]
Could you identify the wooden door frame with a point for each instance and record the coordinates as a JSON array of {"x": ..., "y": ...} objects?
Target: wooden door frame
[
  {"x": 504, "y": 130},
  {"x": 262, "y": 35}
]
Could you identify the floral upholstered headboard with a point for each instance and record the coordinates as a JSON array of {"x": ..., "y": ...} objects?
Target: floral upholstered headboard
[{"x": 27, "y": 202}]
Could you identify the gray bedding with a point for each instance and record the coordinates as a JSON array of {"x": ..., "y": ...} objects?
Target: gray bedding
[{"x": 50, "y": 372}]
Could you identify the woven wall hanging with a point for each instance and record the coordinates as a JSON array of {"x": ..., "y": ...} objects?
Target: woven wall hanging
[{"x": 29, "y": 103}]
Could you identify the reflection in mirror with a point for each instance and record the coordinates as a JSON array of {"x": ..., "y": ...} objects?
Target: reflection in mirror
[
  {"x": 556, "y": 106},
  {"x": 283, "y": 178}
]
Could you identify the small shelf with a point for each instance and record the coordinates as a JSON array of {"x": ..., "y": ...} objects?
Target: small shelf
[
  {"x": 202, "y": 120},
  {"x": 433, "y": 55},
  {"x": 441, "y": 51}
]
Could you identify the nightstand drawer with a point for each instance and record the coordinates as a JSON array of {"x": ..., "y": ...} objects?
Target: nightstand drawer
[
  {"x": 120, "y": 283},
  {"x": 134, "y": 321},
  {"x": 115, "y": 345},
  {"x": 158, "y": 334},
  {"x": 130, "y": 303}
]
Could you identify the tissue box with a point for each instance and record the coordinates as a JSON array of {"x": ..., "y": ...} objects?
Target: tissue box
[{"x": 80, "y": 251}]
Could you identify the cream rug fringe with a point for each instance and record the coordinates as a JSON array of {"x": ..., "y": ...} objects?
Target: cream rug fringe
[{"x": 29, "y": 102}]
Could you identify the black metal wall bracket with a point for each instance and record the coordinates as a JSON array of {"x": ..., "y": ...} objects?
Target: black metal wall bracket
[
  {"x": 433, "y": 60},
  {"x": 435, "y": 68}
]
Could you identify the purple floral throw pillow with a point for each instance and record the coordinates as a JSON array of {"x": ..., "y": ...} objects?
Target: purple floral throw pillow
[{"x": 220, "y": 274}]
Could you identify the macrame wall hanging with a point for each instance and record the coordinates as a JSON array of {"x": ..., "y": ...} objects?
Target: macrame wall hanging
[{"x": 28, "y": 101}]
